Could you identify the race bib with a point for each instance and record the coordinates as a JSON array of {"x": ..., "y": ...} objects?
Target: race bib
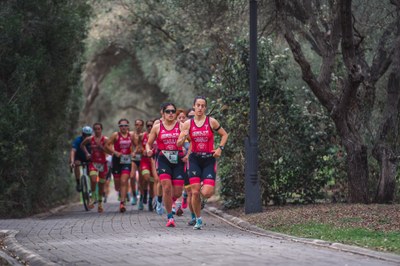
[
  {"x": 99, "y": 167},
  {"x": 125, "y": 159},
  {"x": 172, "y": 156},
  {"x": 138, "y": 157}
]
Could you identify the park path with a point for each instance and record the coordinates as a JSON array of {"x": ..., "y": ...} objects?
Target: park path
[{"x": 73, "y": 236}]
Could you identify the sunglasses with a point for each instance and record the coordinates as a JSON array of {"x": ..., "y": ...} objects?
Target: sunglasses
[
  {"x": 149, "y": 125},
  {"x": 170, "y": 111},
  {"x": 190, "y": 116},
  {"x": 123, "y": 125},
  {"x": 138, "y": 125}
]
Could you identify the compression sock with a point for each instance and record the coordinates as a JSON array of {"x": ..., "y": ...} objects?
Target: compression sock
[
  {"x": 159, "y": 199},
  {"x": 169, "y": 215}
]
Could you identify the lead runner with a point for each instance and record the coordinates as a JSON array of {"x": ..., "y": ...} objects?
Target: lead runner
[{"x": 202, "y": 160}]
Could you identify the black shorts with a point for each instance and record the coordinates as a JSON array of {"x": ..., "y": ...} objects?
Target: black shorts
[
  {"x": 176, "y": 171},
  {"x": 204, "y": 167},
  {"x": 118, "y": 168}
]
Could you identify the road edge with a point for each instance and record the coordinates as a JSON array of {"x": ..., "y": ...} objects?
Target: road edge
[{"x": 246, "y": 226}]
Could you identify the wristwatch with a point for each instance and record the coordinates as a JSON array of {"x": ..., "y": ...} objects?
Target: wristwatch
[{"x": 221, "y": 147}]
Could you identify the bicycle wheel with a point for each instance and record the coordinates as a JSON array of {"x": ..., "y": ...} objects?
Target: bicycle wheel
[{"x": 85, "y": 192}]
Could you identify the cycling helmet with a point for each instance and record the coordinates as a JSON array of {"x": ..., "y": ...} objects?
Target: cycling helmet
[{"x": 87, "y": 130}]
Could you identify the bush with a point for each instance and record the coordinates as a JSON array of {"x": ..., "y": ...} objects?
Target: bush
[
  {"x": 298, "y": 154},
  {"x": 40, "y": 47}
]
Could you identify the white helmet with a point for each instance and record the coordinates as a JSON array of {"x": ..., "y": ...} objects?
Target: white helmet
[{"x": 87, "y": 130}]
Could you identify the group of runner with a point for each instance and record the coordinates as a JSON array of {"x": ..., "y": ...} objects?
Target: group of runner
[{"x": 175, "y": 155}]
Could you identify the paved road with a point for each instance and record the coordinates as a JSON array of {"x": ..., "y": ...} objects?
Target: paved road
[{"x": 76, "y": 237}]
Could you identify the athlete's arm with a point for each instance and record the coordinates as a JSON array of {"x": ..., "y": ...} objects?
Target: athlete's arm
[
  {"x": 109, "y": 147},
  {"x": 224, "y": 136},
  {"x": 83, "y": 147},
  {"x": 152, "y": 137},
  {"x": 184, "y": 133},
  {"x": 72, "y": 158}
]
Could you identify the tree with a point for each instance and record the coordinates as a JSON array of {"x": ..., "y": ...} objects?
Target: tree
[{"x": 346, "y": 84}]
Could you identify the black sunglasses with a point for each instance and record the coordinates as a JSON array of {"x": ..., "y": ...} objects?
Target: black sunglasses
[
  {"x": 149, "y": 125},
  {"x": 123, "y": 125},
  {"x": 190, "y": 116},
  {"x": 170, "y": 111}
]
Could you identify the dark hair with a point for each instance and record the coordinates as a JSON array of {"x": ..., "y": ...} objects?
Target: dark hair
[
  {"x": 98, "y": 124},
  {"x": 163, "y": 105},
  {"x": 168, "y": 104},
  {"x": 141, "y": 120},
  {"x": 199, "y": 98},
  {"x": 123, "y": 119}
]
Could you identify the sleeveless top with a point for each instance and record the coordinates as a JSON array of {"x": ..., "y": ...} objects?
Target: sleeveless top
[
  {"x": 166, "y": 139},
  {"x": 202, "y": 137},
  {"x": 98, "y": 155},
  {"x": 123, "y": 144}
]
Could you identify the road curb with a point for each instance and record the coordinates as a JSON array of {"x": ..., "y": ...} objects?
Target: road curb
[
  {"x": 22, "y": 253},
  {"x": 246, "y": 226}
]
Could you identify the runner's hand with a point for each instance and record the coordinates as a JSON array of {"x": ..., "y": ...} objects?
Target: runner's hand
[
  {"x": 216, "y": 153},
  {"x": 185, "y": 159},
  {"x": 149, "y": 153}
]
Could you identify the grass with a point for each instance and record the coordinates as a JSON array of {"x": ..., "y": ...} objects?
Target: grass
[
  {"x": 373, "y": 226},
  {"x": 383, "y": 241}
]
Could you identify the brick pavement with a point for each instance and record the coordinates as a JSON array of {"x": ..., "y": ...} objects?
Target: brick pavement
[{"x": 76, "y": 237}]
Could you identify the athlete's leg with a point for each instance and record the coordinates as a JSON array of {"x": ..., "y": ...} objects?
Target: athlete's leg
[{"x": 132, "y": 179}]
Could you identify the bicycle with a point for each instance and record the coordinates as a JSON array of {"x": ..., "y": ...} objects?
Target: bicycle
[{"x": 85, "y": 187}]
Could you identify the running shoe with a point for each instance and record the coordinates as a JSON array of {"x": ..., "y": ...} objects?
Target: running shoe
[
  {"x": 179, "y": 212},
  {"x": 141, "y": 207},
  {"x": 134, "y": 201},
  {"x": 198, "y": 225},
  {"x": 192, "y": 222},
  {"x": 144, "y": 200},
  {"x": 184, "y": 203},
  {"x": 122, "y": 207},
  {"x": 100, "y": 208},
  {"x": 159, "y": 208},
  {"x": 170, "y": 223}
]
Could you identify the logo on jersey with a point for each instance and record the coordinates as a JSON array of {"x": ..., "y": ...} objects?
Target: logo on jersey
[{"x": 201, "y": 146}]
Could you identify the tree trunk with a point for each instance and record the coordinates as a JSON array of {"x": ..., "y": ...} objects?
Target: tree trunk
[
  {"x": 387, "y": 178},
  {"x": 357, "y": 172}
]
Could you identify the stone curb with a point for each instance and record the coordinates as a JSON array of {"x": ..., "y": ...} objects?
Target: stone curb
[
  {"x": 13, "y": 246},
  {"x": 24, "y": 254},
  {"x": 246, "y": 226}
]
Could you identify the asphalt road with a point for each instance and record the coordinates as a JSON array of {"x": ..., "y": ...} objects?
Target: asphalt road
[{"x": 73, "y": 236}]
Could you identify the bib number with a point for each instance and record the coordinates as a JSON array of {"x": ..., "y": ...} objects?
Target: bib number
[
  {"x": 99, "y": 167},
  {"x": 138, "y": 157},
  {"x": 126, "y": 159},
  {"x": 172, "y": 156}
]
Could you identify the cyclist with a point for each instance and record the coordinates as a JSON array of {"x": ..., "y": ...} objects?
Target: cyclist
[
  {"x": 98, "y": 164},
  {"x": 120, "y": 145},
  {"x": 202, "y": 159},
  {"x": 170, "y": 167},
  {"x": 77, "y": 155}
]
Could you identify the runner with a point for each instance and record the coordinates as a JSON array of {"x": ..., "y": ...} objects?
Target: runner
[
  {"x": 202, "y": 159},
  {"x": 170, "y": 166},
  {"x": 147, "y": 180},
  {"x": 98, "y": 164},
  {"x": 77, "y": 155},
  {"x": 139, "y": 124},
  {"x": 157, "y": 183},
  {"x": 120, "y": 145}
]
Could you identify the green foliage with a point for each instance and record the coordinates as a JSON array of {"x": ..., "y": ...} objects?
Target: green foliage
[
  {"x": 40, "y": 45},
  {"x": 297, "y": 149}
]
